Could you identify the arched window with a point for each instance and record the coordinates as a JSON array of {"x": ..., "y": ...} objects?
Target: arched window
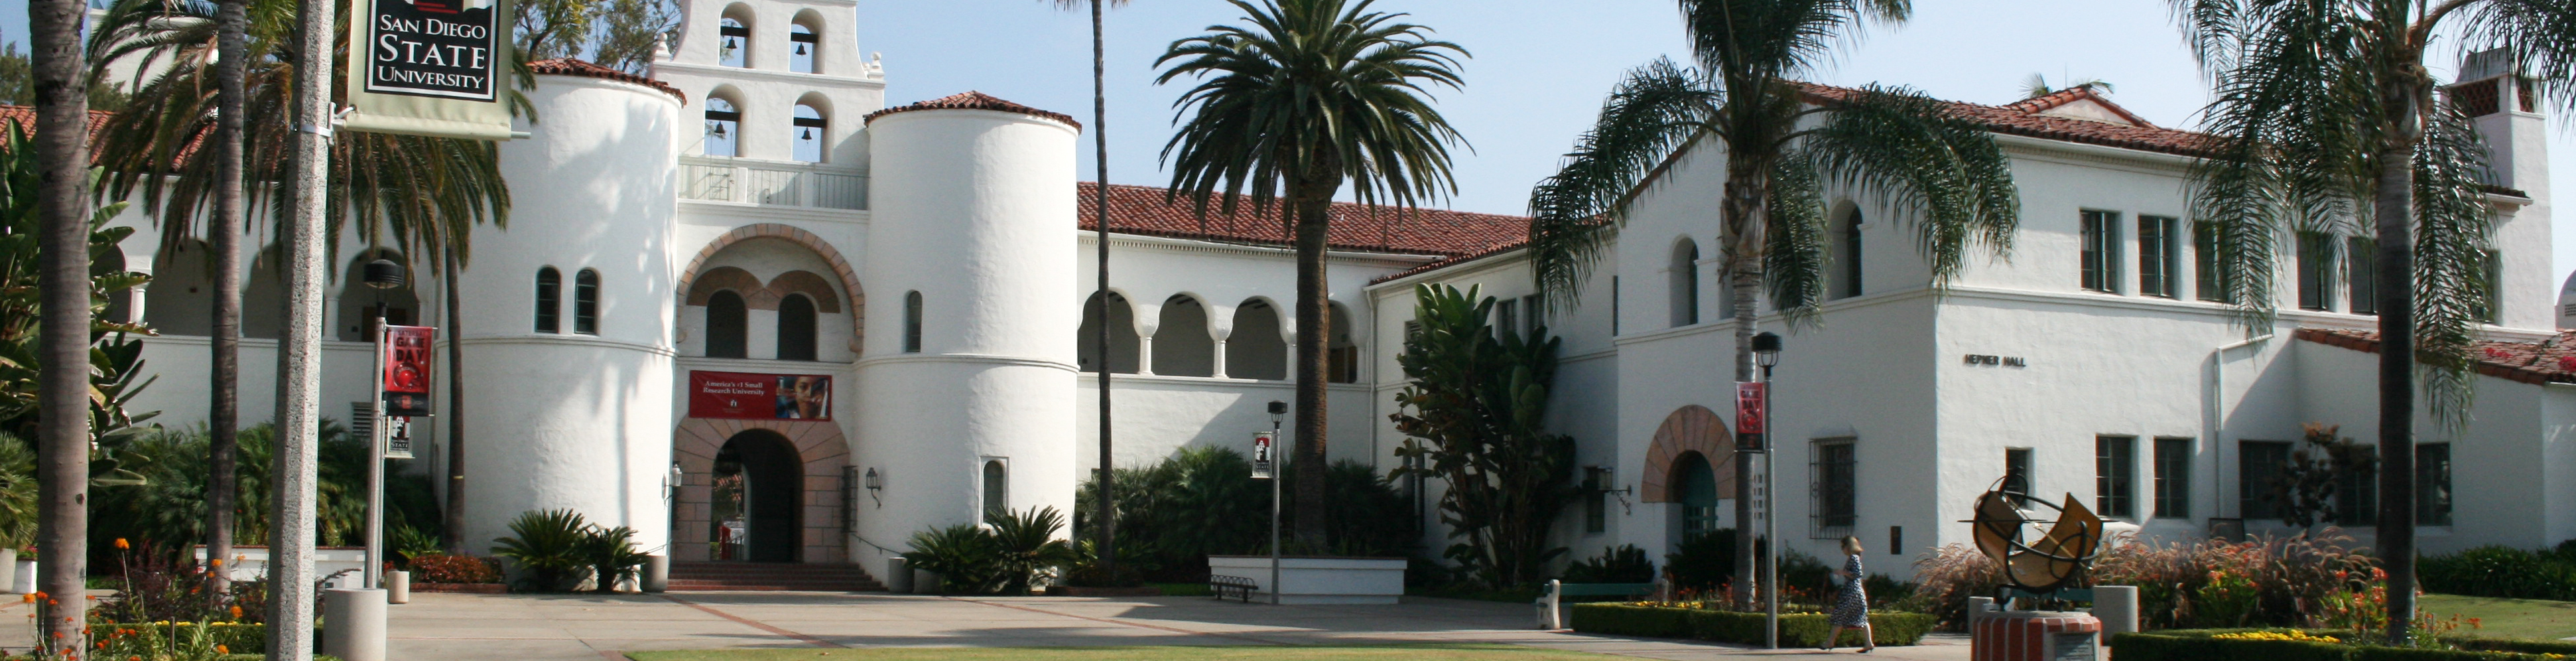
[
  {"x": 810, "y": 131},
  {"x": 733, "y": 41},
  {"x": 549, "y": 300},
  {"x": 912, "y": 322},
  {"x": 1342, "y": 356},
  {"x": 585, "y": 302},
  {"x": 177, "y": 301},
  {"x": 1121, "y": 357},
  {"x": 724, "y": 128},
  {"x": 1182, "y": 346},
  {"x": 1684, "y": 273},
  {"x": 803, "y": 49},
  {"x": 1846, "y": 280},
  {"x": 997, "y": 488},
  {"x": 1256, "y": 350},
  {"x": 796, "y": 328},
  {"x": 728, "y": 326}
]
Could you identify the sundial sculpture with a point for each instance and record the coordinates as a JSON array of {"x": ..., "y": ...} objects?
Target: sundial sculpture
[{"x": 2048, "y": 562}]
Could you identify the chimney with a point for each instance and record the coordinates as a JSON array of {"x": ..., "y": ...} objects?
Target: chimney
[{"x": 2505, "y": 106}]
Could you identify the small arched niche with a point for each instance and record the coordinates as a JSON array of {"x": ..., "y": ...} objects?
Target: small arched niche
[
  {"x": 1341, "y": 353},
  {"x": 264, "y": 297},
  {"x": 804, "y": 43},
  {"x": 810, "y": 131},
  {"x": 1121, "y": 357},
  {"x": 180, "y": 298},
  {"x": 724, "y": 125},
  {"x": 733, "y": 36},
  {"x": 1256, "y": 350},
  {"x": 1683, "y": 274}
]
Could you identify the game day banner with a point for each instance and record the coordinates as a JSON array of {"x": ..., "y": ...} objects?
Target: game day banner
[
  {"x": 406, "y": 361},
  {"x": 760, "y": 396},
  {"x": 430, "y": 67}
]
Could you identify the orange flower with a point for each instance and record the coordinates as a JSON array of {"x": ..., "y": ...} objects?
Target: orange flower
[
  {"x": 219, "y": 649},
  {"x": 218, "y": 562},
  {"x": 236, "y": 612},
  {"x": 121, "y": 545},
  {"x": 30, "y": 598}
]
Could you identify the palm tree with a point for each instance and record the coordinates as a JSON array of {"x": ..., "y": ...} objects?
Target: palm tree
[
  {"x": 63, "y": 281},
  {"x": 2326, "y": 106},
  {"x": 422, "y": 194},
  {"x": 1783, "y": 142},
  {"x": 2037, "y": 86},
  {"x": 1312, "y": 93},
  {"x": 1108, "y": 512}
]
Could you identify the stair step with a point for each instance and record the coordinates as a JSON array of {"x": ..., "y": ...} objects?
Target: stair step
[{"x": 774, "y": 577}]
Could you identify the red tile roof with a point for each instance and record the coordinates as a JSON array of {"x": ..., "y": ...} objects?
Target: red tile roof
[
  {"x": 2049, "y": 101},
  {"x": 2023, "y": 119},
  {"x": 1141, "y": 210},
  {"x": 2547, "y": 361},
  {"x": 974, "y": 101},
  {"x": 565, "y": 66},
  {"x": 25, "y": 116}
]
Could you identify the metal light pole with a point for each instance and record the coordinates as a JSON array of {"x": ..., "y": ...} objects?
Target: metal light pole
[
  {"x": 1280, "y": 460},
  {"x": 381, "y": 274},
  {"x": 1766, "y": 353}
]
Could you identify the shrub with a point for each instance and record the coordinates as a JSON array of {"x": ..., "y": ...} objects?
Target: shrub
[
  {"x": 1947, "y": 577},
  {"x": 1025, "y": 548},
  {"x": 2199, "y": 646},
  {"x": 962, "y": 555},
  {"x": 553, "y": 546},
  {"x": 1199, "y": 502},
  {"x": 177, "y": 640},
  {"x": 611, "y": 555},
  {"x": 443, "y": 568},
  {"x": 1624, "y": 563},
  {"x": 2499, "y": 571},
  {"x": 1796, "y": 629},
  {"x": 2272, "y": 581},
  {"x": 1704, "y": 562}
]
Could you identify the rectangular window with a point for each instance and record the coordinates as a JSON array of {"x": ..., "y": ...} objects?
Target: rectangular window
[
  {"x": 2316, "y": 270},
  {"x": 2433, "y": 484},
  {"x": 2101, "y": 245},
  {"x": 2258, "y": 478},
  {"x": 549, "y": 300},
  {"x": 1896, "y": 540},
  {"x": 2156, "y": 255},
  {"x": 2115, "y": 476},
  {"x": 2173, "y": 478},
  {"x": 1531, "y": 317},
  {"x": 1596, "y": 500},
  {"x": 1614, "y": 306},
  {"x": 1836, "y": 490},
  {"x": 2490, "y": 303},
  {"x": 2017, "y": 474},
  {"x": 585, "y": 302},
  {"x": 2361, "y": 257},
  {"x": 1507, "y": 317},
  {"x": 2356, "y": 498},
  {"x": 2209, "y": 281}
]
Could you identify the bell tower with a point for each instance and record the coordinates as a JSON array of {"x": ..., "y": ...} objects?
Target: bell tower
[
  {"x": 2506, "y": 106},
  {"x": 779, "y": 80}
]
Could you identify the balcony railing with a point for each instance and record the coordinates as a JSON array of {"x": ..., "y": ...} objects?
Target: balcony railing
[{"x": 772, "y": 182}]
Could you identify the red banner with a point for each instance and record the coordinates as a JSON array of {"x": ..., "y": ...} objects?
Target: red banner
[
  {"x": 404, "y": 353},
  {"x": 1749, "y": 425},
  {"x": 760, "y": 396}
]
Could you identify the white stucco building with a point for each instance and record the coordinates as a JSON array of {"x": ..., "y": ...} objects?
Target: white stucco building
[{"x": 840, "y": 323}]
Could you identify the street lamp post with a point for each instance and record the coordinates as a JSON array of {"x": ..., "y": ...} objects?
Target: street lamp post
[
  {"x": 381, "y": 274},
  {"x": 1766, "y": 353},
  {"x": 1277, "y": 475}
]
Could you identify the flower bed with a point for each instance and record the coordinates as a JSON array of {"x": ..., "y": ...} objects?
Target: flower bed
[
  {"x": 2321, "y": 645},
  {"x": 469, "y": 588},
  {"x": 1796, "y": 629}
]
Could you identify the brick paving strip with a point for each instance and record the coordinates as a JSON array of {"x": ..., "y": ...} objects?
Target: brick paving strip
[
  {"x": 763, "y": 626},
  {"x": 1041, "y": 611}
]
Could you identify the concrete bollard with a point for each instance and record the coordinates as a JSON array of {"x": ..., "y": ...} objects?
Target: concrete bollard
[
  {"x": 1978, "y": 607},
  {"x": 898, "y": 576},
  {"x": 397, "y": 587},
  {"x": 925, "y": 581},
  {"x": 353, "y": 624},
  {"x": 2117, "y": 607},
  {"x": 657, "y": 574}
]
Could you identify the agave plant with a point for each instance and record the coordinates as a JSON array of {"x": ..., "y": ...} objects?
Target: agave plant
[
  {"x": 611, "y": 553},
  {"x": 548, "y": 545},
  {"x": 963, "y": 556},
  {"x": 1026, "y": 549}
]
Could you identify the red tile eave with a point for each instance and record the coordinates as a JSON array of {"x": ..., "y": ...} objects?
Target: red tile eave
[
  {"x": 2496, "y": 358},
  {"x": 566, "y": 66},
  {"x": 972, "y": 100},
  {"x": 25, "y": 116},
  {"x": 1361, "y": 228}
]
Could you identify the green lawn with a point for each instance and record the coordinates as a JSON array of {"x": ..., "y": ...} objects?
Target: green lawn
[
  {"x": 2511, "y": 618},
  {"x": 1182, "y": 653}
]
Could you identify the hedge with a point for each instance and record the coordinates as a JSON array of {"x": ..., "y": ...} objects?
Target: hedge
[
  {"x": 2199, "y": 645},
  {"x": 240, "y": 638},
  {"x": 1796, "y": 629}
]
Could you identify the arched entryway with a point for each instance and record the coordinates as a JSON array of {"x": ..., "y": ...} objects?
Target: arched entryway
[
  {"x": 757, "y": 480},
  {"x": 802, "y": 462},
  {"x": 1690, "y": 464}
]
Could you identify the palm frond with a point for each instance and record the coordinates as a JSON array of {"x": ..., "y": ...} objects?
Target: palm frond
[
  {"x": 1794, "y": 262},
  {"x": 1575, "y": 213},
  {"x": 2453, "y": 223},
  {"x": 1907, "y": 148}
]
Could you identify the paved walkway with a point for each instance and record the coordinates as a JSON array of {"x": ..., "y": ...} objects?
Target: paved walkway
[{"x": 591, "y": 628}]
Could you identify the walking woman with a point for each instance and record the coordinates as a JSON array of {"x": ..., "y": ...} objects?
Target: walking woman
[{"x": 1851, "y": 604}]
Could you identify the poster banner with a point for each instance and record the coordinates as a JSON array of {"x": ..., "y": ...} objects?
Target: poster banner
[
  {"x": 437, "y": 68},
  {"x": 738, "y": 395},
  {"x": 1749, "y": 425},
  {"x": 404, "y": 353},
  {"x": 398, "y": 437},
  {"x": 1261, "y": 466}
]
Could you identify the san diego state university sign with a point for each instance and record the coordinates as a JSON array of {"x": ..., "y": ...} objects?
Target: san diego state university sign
[{"x": 431, "y": 67}]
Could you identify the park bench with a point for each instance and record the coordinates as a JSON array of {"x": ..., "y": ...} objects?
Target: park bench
[
  {"x": 1551, "y": 601},
  {"x": 1240, "y": 586}
]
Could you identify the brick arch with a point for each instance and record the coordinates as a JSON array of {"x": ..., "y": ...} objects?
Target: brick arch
[
  {"x": 820, "y": 447},
  {"x": 840, "y": 267},
  {"x": 742, "y": 282},
  {"x": 812, "y": 286},
  {"x": 1688, "y": 429}
]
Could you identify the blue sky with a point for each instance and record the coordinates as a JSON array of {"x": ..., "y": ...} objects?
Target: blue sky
[{"x": 1539, "y": 68}]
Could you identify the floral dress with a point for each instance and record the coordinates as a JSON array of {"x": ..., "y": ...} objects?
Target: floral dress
[{"x": 1851, "y": 604}]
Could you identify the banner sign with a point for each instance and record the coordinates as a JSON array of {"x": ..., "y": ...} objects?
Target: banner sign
[
  {"x": 738, "y": 395},
  {"x": 403, "y": 352},
  {"x": 431, "y": 67},
  {"x": 398, "y": 437},
  {"x": 1749, "y": 425},
  {"x": 1261, "y": 455}
]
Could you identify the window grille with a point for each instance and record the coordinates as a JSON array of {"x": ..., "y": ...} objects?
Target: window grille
[
  {"x": 2258, "y": 478},
  {"x": 2173, "y": 478},
  {"x": 1836, "y": 508},
  {"x": 2100, "y": 247},
  {"x": 2156, "y": 256},
  {"x": 2115, "y": 476}
]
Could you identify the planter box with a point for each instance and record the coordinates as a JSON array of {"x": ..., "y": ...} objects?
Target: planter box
[
  {"x": 1318, "y": 579},
  {"x": 472, "y": 588},
  {"x": 250, "y": 563}
]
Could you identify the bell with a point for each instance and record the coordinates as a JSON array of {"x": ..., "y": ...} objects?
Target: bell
[
  {"x": 809, "y": 133},
  {"x": 800, "y": 48},
  {"x": 716, "y": 130}
]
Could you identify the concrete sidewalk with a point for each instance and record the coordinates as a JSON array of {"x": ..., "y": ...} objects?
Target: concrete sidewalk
[{"x": 593, "y": 627}]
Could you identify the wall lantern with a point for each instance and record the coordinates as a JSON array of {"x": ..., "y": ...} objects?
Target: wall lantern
[
  {"x": 875, "y": 484},
  {"x": 384, "y": 274}
]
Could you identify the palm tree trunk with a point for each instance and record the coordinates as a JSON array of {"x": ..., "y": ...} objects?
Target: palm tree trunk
[
  {"x": 223, "y": 415},
  {"x": 1312, "y": 204},
  {"x": 452, "y": 522},
  {"x": 62, "y": 432},
  {"x": 2394, "y": 212},
  {"x": 1108, "y": 509},
  {"x": 299, "y": 357},
  {"x": 1742, "y": 260}
]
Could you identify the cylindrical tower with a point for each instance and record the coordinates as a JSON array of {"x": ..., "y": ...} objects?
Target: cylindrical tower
[
  {"x": 967, "y": 371},
  {"x": 576, "y": 415}
]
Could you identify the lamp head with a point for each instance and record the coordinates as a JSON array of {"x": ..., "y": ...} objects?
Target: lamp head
[
  {"x": 1277, "y": 409},
  {"x": 1766, "y": 349},
  {"x": 384, "y": 274},
  {"x": 873, "y": 481}
]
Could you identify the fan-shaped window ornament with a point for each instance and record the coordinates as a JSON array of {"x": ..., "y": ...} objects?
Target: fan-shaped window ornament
[{"x": 2050, "y": 560}]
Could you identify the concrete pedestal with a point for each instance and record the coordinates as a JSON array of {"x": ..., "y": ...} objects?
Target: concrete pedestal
[
  {"x": 2035, "y": 636},
  {"x": 656, "y": 576},
  {"x": 353, "y": 624},
  {"x": 397, "y": 587},
  {"x": 2117, "y": 607}
]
